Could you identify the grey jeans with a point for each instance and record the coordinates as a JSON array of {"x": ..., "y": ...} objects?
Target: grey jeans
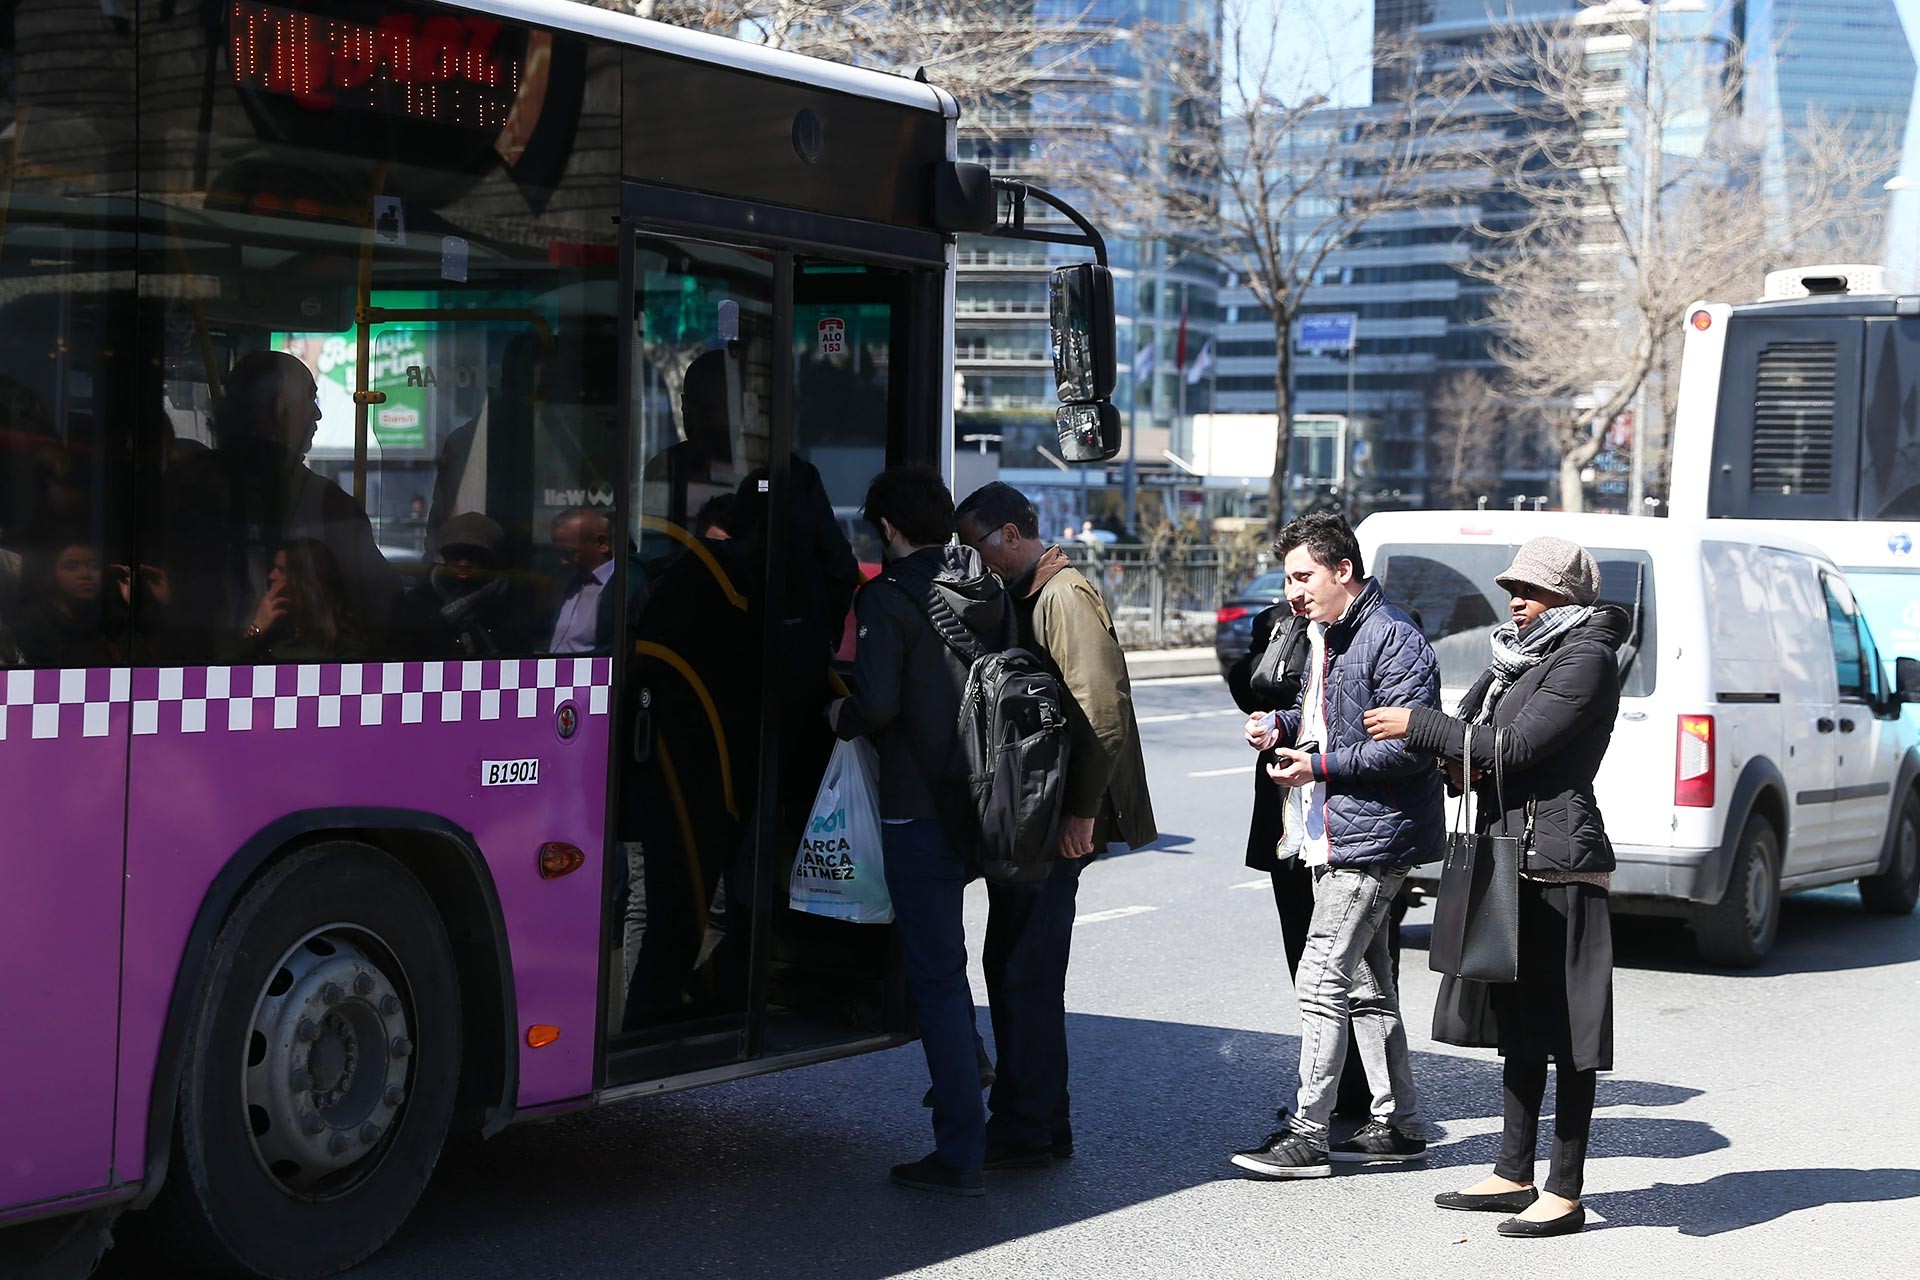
[{"x": 1346, "y": 976}]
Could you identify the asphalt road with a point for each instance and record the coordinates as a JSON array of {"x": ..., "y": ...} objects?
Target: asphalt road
[{"x": 1759, "y": 1124}]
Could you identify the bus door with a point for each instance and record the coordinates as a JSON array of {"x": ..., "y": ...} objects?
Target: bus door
[
  {"x": 68, "y": 582},
  {"x": 766, "y": 389}
]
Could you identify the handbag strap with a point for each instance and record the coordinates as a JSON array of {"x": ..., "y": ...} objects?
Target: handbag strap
[{"x": 1463, "y": 812}]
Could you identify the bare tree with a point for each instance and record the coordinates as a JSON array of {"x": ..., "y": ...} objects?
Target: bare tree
[
  {"x": 984, "y": 52},
  {"x": 1641, "y": 187},
  {"x": 1262, "y": 175},
  {"x": 1469, "y": 438}
]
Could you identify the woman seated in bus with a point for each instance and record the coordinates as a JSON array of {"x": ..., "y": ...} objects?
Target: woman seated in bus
[
  {"x": 304, "y": 616},
  {"x": 61, "y": 623}
]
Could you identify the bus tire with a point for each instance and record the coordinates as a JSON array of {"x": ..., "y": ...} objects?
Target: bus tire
[
  {"x": 319, "y": 1075},
  {"x": 1894, "y": 891},
  {"x": 1738, "y": 931}
]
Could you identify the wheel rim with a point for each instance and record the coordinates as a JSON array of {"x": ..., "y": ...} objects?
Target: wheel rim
[
  {"x": 326, "y": 1061},
  {"x": 1760, "y": 892}
]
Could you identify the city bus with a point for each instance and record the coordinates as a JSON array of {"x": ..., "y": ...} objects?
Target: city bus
[{"x": 422, "y": 428}]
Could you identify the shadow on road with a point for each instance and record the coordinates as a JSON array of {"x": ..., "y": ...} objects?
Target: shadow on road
[
  {"x": 1734, "y": 1201},
  {"x": 787, "y": 1175}
]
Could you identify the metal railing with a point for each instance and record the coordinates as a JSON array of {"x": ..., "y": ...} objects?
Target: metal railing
[{"x": 1160, "y": 599}]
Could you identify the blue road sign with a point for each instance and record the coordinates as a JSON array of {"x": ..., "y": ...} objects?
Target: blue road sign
[{"x": 1329, "y": 332}]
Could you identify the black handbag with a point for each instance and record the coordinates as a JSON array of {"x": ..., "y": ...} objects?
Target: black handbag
[{"x": 1476, "y": 915}]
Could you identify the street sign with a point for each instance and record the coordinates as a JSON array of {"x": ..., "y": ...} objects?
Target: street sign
[{"x": 1330, "y": 332}]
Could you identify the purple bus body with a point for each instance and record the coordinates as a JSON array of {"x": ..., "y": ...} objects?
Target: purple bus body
[{"x": 213, "y": 756}]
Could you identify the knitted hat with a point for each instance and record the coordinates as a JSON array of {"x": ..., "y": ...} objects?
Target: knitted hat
[
  {"x": 474, "y": 530},
  {"x": 1562, "y": 567}
]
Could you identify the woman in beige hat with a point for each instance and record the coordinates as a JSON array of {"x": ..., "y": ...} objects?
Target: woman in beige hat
[{"x": 1546, "y": 704}]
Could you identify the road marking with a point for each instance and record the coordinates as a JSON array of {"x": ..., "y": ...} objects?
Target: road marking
[
  {"x": 1188, "y": 715},
  {"x": 1115, "y": 913},
  {"x": 1264, "y": 882},
  {"x": 1223, "y": 773},
  {"x": 1159, "y": 681}
]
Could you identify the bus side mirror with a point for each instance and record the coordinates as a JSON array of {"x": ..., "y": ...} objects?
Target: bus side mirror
[
  {"x": 1080, "y": 302},
  {"x": 1088, "y": 432},
  {"x": 1080, "y": 309}
]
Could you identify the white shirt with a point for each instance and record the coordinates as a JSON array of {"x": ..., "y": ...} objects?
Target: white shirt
[
  {"x": 577, "y": 628},
  {"x": 1306, "y": 829}
]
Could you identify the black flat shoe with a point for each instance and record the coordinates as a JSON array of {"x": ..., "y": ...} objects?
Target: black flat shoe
[
  {"x": 1497, "y": 1202},
  {"x": 1564, "y": 1225}
]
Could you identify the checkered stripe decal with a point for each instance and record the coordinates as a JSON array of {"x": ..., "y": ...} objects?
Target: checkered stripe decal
[{"x": 168, "y": 700}]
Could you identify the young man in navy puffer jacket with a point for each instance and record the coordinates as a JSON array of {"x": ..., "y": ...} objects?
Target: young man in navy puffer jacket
[{"x": 1359, "y": 817}]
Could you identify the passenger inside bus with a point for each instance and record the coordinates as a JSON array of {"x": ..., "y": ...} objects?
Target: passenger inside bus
[
  {"x": 306, "y": 614},
  {"x": 60, "y": 612},
  {"x": 462, "y": 606},
  {"x": 230, "y": 510}
]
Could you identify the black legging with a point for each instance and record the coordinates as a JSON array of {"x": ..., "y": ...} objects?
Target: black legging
[{"x": 1525, "y": 1085}]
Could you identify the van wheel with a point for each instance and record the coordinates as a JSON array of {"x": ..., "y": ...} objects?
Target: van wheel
[
  {"x": 1738, "y": 931},
  {"x": 319, "y": 1075},
  {"x": 1894, "y": 891}
]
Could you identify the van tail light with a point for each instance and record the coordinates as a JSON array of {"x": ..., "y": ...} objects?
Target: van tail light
[
  {"x": 1693, "y": 763},
  {"x": 1233, "y": 613}
]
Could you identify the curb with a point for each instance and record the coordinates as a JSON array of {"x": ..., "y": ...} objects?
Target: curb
[{"x": 1165, "y": 663}]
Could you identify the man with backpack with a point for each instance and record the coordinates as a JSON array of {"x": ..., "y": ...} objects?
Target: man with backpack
[
  {"x": 1063, "y": 622},
  {"x": 908, "y": 682}
]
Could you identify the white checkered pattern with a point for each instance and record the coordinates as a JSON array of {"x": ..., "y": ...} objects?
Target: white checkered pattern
[{"x": 167, "y": 700}]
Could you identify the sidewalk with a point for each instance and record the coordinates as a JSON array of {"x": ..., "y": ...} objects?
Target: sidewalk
[{"x": 1158, "y": 664}]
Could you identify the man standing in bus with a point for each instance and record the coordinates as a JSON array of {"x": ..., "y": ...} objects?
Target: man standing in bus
[
  {"x": 907, "y": 685},
  {"x": 1062, "y": 621}
]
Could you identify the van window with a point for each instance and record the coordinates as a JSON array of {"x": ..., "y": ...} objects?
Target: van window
[
  {"x": 1849, "y": 659},
  {"x": 1449, "y": 587},
  {"x": 1889, "y": 599}
]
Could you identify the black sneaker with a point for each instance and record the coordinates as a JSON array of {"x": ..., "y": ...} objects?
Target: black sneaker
[
  {"x": 1285, "y": 1155},
  {"x": 1004, "y": 1155},
  {"x": 1377, "y": 1141},
  {"x": 1063, "y": 1142},
  {"x": 935, "y": 1174}
]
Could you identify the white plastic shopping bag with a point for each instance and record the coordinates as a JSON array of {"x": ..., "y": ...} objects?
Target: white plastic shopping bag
[{"x": 840, "y": 870}]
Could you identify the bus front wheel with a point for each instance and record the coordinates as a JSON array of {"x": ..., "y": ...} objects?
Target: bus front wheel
[{"x": 320, "y": 1074}]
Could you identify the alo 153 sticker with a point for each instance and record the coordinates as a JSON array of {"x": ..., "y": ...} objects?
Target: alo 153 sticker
[{"x": 509, "y": 773}]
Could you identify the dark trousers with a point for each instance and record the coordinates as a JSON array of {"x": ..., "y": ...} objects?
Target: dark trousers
[
  {"x": 927, "y": 879},
  {"x": 1524, "y": 1083},
  {"x": 1293, "y": 897},
  {"x": 1029, "y": 936}
]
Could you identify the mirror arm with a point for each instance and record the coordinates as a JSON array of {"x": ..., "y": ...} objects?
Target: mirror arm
[{"x": 1015, "y": 228}]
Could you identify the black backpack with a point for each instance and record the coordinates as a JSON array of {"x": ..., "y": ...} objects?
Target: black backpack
[{"x": 1008, "y": 770}]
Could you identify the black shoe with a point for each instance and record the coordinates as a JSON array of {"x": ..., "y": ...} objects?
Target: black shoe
[
  {"x": 1004, "y": 1155},
  {"x": 1564, "y": 1225},
  {"x": 935, "y": 1174},
  {"x": 1492, "y": 1202},
  {"x": 1063, "y": 1142},
  {"x": 1378, "y": 1141},
  {"x": 1285, "y": 1155}
]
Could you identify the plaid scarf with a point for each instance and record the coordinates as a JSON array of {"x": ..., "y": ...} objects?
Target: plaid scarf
[{"x": 1516, "y": 652}]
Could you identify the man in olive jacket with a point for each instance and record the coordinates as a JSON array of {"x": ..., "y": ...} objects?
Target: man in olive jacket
[{"x": 1065, "y": 624}]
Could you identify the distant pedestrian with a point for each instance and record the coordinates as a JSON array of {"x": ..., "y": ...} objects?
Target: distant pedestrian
[
  {"x": 907, "y": 685},
  {"x": 1359, "y": 814},
  {"x": 1062, "y": 621},
  {"x": 1546, "y": 706}
]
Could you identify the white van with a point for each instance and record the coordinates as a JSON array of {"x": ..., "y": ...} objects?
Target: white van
[{"x": 1760, "y": 747}]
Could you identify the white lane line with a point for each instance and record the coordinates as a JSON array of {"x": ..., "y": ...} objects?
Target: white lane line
[
  {"x": 1188, "y": 715},
  {"x": 1264, "y": 882},
  {"x": 1223, "y": 773},
  {"x": 1116, "y": 913},
  {"x": 1159, "y": 681}
]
